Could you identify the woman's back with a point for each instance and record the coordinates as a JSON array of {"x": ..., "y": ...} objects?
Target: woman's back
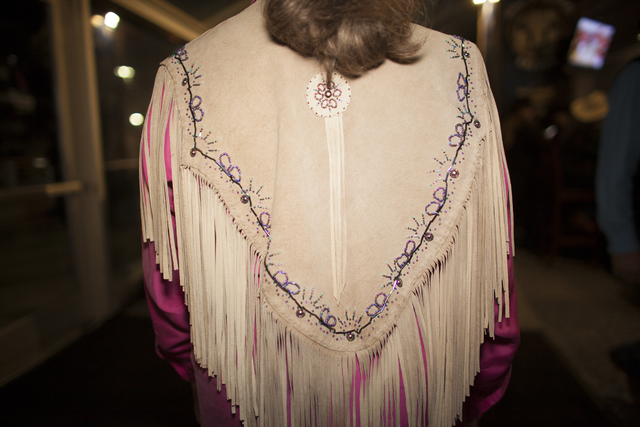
[{"x": 336, "y": 240}]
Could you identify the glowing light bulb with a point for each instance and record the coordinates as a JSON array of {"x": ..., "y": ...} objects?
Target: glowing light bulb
[
  {"x": 111, "y": 20},
  {"x": 136, "y": 119},
  {"x": 124, "y": 72},
  {"x": 97, "y": 21}
]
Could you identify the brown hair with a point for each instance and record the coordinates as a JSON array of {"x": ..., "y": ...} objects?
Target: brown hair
[{"x": 348, "y": 36}]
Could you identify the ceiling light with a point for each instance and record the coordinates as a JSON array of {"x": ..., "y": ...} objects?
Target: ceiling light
[
  {"x": 111, "y": 20},
  {"x": 124, "y": 72},
  {"x": 136, "y": 119},
  {"x": 97, "y": 21}
]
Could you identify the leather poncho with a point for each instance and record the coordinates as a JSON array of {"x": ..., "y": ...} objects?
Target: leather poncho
[{"x": 323, "y": 231}]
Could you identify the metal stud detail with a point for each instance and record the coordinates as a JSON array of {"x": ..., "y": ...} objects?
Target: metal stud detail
[
  {"x": 429, "y": 237},
  {"x": 454, "y": 173},
  {"x": 351, "y": 336},
  {"x": 245, "y": 199},
  {"x": 300, "y": 313},
  {"x": 476, "y": 123},
  {"x": 193, "y": 152},
  {"x": 399, "y": 282}
]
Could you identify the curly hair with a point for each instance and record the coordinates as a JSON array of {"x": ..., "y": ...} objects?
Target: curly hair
[{"x": 347, "y": 36}]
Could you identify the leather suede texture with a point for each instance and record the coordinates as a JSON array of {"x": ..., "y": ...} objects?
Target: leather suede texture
[{"x": 251, "y": 101}]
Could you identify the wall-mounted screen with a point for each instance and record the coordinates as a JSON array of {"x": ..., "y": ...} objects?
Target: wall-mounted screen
[{"x": 590, "y": 43}]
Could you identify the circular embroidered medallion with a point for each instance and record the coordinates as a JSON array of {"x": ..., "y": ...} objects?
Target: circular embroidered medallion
[{"x": 328, "y": 101}]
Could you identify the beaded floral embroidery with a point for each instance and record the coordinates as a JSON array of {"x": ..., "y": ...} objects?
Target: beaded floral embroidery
[
  {"x": 326, "y": 102},
  {"x": 350, "y": 327},
  {"x": 248, "y": 195}
]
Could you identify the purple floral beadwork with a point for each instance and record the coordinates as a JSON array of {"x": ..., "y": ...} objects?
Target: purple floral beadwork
[
  {"x": 181, "y": 54},
  {"x": 422, "y": 234},
  {"x": 434, "y": 208},
  {"x": 223, "y": 162},
  {"x": 330, "y": 99}
]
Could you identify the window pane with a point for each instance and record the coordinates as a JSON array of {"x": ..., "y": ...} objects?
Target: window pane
[
  {"x": 127, "y": 59},
  {"x": 35, "y": 255}
]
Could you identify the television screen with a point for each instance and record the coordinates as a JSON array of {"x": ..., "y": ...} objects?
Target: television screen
[{"x": 590, "y": 43}]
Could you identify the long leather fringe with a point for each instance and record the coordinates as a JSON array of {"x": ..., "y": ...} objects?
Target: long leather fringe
[
  {"x": 222, "y": 280},
  {"x": 337, "y": 203},
  {"x": 154, "y": 198},
  {"x": 262, "y": 360}
]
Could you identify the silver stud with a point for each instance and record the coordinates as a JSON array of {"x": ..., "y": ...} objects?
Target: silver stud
[
  {"x": 245, "y": 199},
  {"x": 476, "y": 123},
  {"x": 351, "y": 336},
  {"x": 429, "y": 237},
  {"x": 193, "y": 151},
  {"x": 399, "y": 282},
  {"x": 300, "y": 313},
  {"x": 454, "y": 173}
]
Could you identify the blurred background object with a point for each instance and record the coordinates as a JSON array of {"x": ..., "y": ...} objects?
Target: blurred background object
[{"x": 75, "y": 82}]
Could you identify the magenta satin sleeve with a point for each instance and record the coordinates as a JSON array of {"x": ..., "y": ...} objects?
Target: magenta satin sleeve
[
  {"x": 169, "y": 314},
  {"x": 496, "y": 355}
]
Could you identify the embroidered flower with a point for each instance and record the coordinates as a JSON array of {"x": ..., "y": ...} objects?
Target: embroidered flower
[
  {"x": 328, "y": 98},
  {"x": 181, "y": 54},
  {"x": 327, "y": 101}
]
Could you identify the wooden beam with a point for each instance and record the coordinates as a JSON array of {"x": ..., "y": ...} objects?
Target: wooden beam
[
  {"x": 81, "y": 147},
  {"x": 166, "y": 16}
]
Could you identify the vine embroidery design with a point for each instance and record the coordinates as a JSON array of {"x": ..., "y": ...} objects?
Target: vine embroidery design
[{"x": 349, "y": 326}]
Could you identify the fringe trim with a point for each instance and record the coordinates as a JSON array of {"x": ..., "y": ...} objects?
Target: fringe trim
[
  {"x": 452, "y": 307},
  {"x": 221, "y": 269},
  {"x": 261, "y": 359},
  {"x": 337, "y": 203},
  {"x": 157, "y": 222},
  {"x": 221, "y": 285}
]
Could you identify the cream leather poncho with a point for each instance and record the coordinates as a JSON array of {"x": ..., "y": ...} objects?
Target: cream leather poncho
[{"x": 321, "y": 231}]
